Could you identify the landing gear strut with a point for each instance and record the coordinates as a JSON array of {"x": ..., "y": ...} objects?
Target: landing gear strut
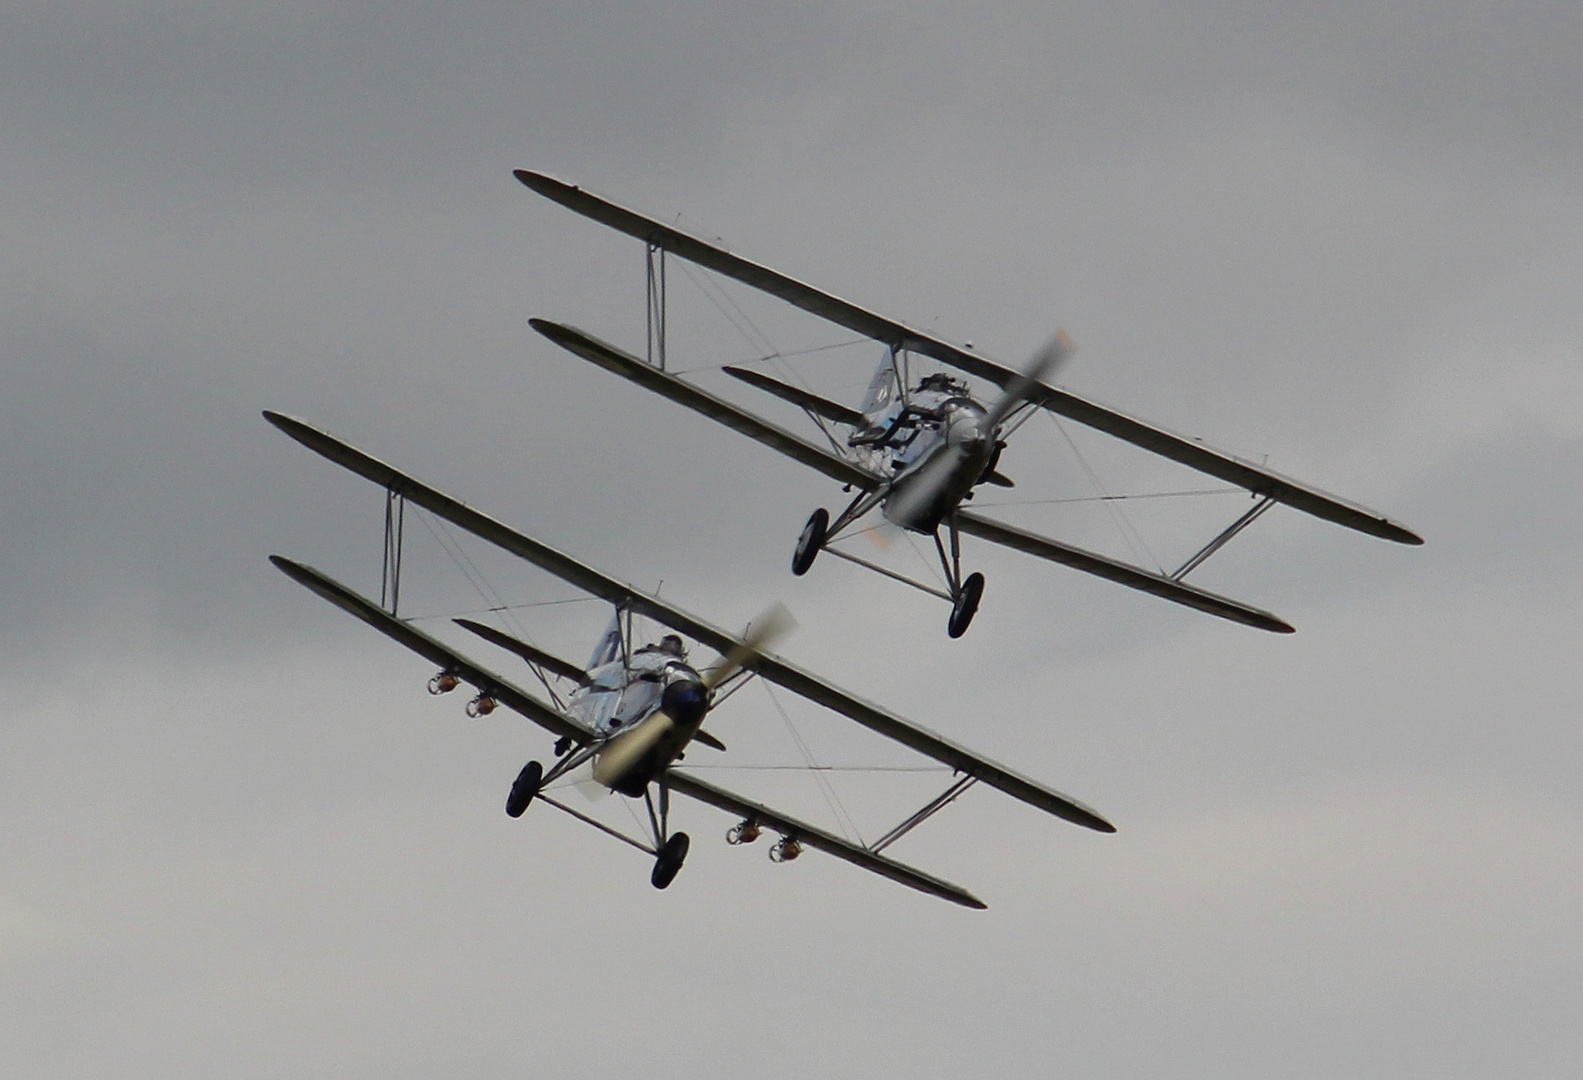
[
  {"x": 672, "y": 849},
  {"x": 965, "y": 593},
  {"x": 811, "y": 540}
]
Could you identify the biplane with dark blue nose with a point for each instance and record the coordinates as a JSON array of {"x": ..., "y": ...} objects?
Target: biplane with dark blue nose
[{"x": 631, "y": 713}]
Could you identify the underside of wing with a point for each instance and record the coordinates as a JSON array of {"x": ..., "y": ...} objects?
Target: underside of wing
[
  {"x": 623, "y": 596},
  {"x": 652, "y": 378},
  {"x": 436, "y": 652},
  {"x": 1157, "y": 440},
  {"x": 817, "y": 838},
  {"x": 1133, "y": 577}
]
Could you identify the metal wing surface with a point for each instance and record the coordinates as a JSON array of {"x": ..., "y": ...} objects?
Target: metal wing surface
[
  {"x": 732, "y": 416},
  {"x": 817, "y": 838},
  {"x": 766, "y": 665},
  {"x": 1150, "y": 437},
  {"x": 1158, "y": 584},
  {"x": 552, "y": 720}
]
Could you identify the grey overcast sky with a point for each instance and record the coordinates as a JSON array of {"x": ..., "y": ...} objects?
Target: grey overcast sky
[{"x": 241, "y": 840}]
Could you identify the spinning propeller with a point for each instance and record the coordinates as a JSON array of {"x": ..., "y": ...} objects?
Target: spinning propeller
[
  {"x": 771, "y": 625},
  {"x": 685, "y": 703},
  {"x": 965, "y": 438}
]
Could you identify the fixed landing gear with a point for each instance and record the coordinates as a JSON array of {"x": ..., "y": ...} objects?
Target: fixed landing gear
[
  {"x": 965, "y": 606},
  {"x": 669, "y": 862},
  {"x": 527, "y": 786},
  {"x": 811, "y": 540}
]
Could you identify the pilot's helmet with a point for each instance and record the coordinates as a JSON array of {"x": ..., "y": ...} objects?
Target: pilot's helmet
[
  {"x": 671, "y": 643},
  {"x": 938, "y": 381}
]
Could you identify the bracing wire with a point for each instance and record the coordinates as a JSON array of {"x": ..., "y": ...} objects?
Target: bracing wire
[
  {"x": 1114, "y": 498},
  {"x": 1129, "y": 533},
  {"x": 833, "y": 768},
  {"x": 475, "y": 577},
  {"x": 506, "y": 607},
  {"x": 832, "y": 799}
]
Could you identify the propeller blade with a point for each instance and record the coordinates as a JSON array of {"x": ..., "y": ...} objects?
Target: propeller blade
[
  {"x": 1047, "y": 361},
  {"x": 771, "y": 625},
  {"x": 922, "y": 488}
]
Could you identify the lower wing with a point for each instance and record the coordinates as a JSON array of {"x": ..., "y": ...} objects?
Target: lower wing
[
  {"x": 1121, "y": 573},
  {"x": 829, "y": 843}
]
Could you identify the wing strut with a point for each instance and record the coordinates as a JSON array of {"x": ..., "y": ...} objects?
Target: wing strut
[
  {"x": 940, "y": 802},
  {"x": 1220, "y": 541}
]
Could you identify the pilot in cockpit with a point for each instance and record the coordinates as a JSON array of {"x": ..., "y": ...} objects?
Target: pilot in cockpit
[
  {"x": 942, "y": 383},
  {"x": 670, "y": 645}
]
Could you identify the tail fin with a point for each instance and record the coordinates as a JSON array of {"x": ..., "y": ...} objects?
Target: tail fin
[
  {"x": 609, "y": 647},
  {"x": 882, "y": 387}
]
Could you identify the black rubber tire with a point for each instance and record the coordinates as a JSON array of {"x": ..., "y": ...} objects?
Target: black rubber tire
[
  {"x": 811, "y": 540},
  {"x": 670, "y": 860},
  {"x": 524, "y": 789},
  {"x": 966, "y": 605}
]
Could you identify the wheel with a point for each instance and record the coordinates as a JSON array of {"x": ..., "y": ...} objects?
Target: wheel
[
  {"x": 524, "y": 789},
  {"x": 811, "y": 540},
  {"x": 966, "y": 605},
  {"x": 670, "y": 860}
]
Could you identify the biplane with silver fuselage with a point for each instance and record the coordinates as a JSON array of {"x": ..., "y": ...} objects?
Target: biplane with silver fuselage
[
  {"x": 916, "y": 450},
  {"x": 635, "y": 708}
]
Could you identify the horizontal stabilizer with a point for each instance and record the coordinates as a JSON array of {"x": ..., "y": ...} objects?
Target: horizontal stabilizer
[
  {"x": 1133, "y": 577},
  {"x": 819, "y": 406},
  {"x": 708, "y": 740},
  {"x": 820, "y": 840},
  {"x": 531, "y": 653}
]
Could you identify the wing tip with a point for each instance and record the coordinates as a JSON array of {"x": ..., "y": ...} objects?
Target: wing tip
[
  {"x": 1402, "y": 535},
  {"x": 529, "y": 178},
  {"x": 544, "y": 184}
]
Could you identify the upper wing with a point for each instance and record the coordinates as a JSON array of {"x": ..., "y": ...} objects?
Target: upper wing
[
  {"x": 767, "y": 665},
  {"x": 1189, "y": 452},
  {"x": 553, "y": 720},
  {"x": 1158, "y": 584},
  {"x": 818, "y": 838},
  {"x": 650, "y": 377}
]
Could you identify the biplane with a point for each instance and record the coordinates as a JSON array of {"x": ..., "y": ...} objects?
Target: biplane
[
  {"x": 920, "y": 442},
  {"x": 634, "y": 709}
]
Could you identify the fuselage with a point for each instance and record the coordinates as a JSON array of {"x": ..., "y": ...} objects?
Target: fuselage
[
  {"x": 935, "y": 447},
  {"x": 649, "y": 706}
]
